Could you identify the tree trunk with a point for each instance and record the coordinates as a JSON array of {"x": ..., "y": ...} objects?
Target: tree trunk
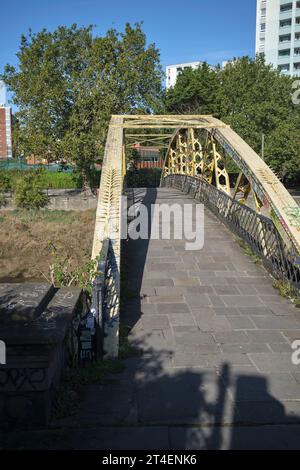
[{"x": 86, "y": 187}]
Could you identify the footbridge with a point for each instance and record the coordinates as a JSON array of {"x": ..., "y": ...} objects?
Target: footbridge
[
  {"x": 199, "y": 151},
  {"x": 216, "y": 362}
]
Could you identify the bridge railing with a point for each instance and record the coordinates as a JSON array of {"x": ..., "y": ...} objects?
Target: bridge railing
[
  {"x": 282, "y": 261},
  {"x": 107, "y": 239}
]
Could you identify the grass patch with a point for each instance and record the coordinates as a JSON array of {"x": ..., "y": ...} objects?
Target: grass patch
[
  {"x": 284, "y": 288},
  {"x": 47, "y": 179},
  {"x": 248, "y": 250},
  {"x": 44, "y": 215},
  {"x": 287, "y": 291},
  {"x": 67, "y": 399}
]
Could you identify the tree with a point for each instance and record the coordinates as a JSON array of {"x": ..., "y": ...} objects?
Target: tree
[
  {"x": 69, "y": 82},
  {"x": 28, "y": 192},
  {"x": 254, "y": 99},
  {"x": 194, "y": 92}
]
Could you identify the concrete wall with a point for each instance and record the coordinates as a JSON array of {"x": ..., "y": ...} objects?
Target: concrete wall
[{"x": 63, "y": 199}]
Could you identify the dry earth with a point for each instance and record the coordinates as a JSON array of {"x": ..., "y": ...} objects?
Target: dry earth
[{"x": 25, "y": 238}]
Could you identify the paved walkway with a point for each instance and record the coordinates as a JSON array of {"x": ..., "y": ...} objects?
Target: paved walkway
[{"x": 214, "y": 369}]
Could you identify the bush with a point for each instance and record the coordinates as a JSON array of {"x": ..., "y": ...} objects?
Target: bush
[
  {"x": 4, "y": 181},
  {"x": 28, "y": 192}
]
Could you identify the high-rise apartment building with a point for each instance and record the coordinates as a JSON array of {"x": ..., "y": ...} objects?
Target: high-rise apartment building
[
  {"x": 278, "y": 34},
  {"x": 5, "y": 125}
]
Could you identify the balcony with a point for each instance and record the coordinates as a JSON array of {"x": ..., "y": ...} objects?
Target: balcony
[
  {"x": 284, "y": 53},
  {"x": 284, "y": 68},
  {"x": 285, "y": 25},
  {"x": 285, "y": 7},
  {"x": 296, "y": 66},
  {"x": 284, "y": 44}
]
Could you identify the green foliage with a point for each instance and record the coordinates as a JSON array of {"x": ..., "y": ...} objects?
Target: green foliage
[
  {"x": 28, "y": 192},
  {"x": 285, "y": 289},
  {"x": 248, "y": 250},
  {"x": 143, "y": 178},
  {"x": 49, "y": 179},
  {"x": 62, "y": 274},
  {"x": 69, "y": 82},
  {"x": 5, "y": 182},
  {"x": 254, "y": 99},
  {"x": 194, "y": 93}
]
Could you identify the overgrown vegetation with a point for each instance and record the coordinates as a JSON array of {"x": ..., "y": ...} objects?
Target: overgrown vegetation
[
  {"x": 61, "y": 272},
  {"x": 287, "y": 291},
  {"x": 28, "y": 192},
  {"x": 24, "y": 241}
]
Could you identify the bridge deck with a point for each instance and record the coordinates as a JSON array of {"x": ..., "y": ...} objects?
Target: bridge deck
[{"x": 214, "y": 369}]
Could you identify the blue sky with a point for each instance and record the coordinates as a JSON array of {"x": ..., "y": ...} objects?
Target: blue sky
[{"x": 183, "y": 30}]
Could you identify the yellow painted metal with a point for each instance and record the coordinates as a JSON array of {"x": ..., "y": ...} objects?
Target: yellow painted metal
[
  {"x": 242, "y": 186},
  {"x": 221, "y": 175},
  {"x": 108, "y": 219}
]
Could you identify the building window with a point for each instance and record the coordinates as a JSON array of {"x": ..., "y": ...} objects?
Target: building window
[
  {"x": 297, "y": 51},
  {"x": 297, "y": 36},
  {"x": 298, "y": 5},
  {"x": 263, "y": 12},
  {"x": 284, "y": 52},
  {"x": 297, "y": 21},
  {"x": 285, "y": 38},
  {"x": 286, "y": 7},
  {"x": 284, "y": 67},
  {"x": 297, "y": 66},
  {"x": 263, "y": 27},
  {"x": 285, "y": 23}
]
